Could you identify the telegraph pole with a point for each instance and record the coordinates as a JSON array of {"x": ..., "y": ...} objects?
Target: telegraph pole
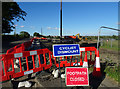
[
  {"x": 60, "y": 39},
  {"x": 61, "y": 22},
  {"x": 15, "y": 30}
]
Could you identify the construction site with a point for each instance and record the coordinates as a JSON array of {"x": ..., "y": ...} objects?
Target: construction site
[
  {"x": 37, "y": 61},
  {"x": 61, "y": 61}
]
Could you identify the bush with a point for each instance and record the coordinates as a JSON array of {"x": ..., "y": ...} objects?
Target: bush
[
  {"x": 24, "y": 34},
  {"x": 113, "y": 72},
  {"x": 36, "y": 34}
]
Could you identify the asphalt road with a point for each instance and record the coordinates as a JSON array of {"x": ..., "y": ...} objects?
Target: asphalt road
[{"x": 7, "y": 45}]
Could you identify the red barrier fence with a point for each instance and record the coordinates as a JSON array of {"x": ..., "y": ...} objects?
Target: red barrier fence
[
  {"x": 72, "y": 60},
  {"x": 27, "y": 63},
  {"x": 44, "y": 59},
  {"x": 17, "y": 49},
  {"x": 20, "y": 47},
  {"x": 38, "y": 60},
  {"x": 27, "y": 44}
]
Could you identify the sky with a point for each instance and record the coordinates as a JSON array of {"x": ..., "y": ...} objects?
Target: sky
[{"x": 78, "y": 17}]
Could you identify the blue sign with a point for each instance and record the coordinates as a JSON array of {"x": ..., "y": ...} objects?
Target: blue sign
[{"x": 66, "y": 50}]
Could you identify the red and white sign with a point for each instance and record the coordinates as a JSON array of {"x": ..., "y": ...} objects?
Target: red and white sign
[{"x": 77, "y": 76}]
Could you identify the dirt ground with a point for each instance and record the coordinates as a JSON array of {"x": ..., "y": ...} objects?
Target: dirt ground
[{"x": 108, "y": 55}]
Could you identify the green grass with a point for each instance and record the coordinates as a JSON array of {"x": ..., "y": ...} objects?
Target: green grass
[
  {"x": 107, "y": 45},
  {"x": 91, "y": 68},
  {"x": 113, "y": 72}
]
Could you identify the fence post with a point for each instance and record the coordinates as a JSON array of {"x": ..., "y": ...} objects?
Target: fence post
[{"x": 111, "y": 43}]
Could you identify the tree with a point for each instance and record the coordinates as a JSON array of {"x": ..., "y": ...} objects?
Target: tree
[
  {"x": 24, "y": 34},
  {"x": 36, "y": 34},
  {"x": 114, "y": 37},
  {"x": 11, "y": 11}
]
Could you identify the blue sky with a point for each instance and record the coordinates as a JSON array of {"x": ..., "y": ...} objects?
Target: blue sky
[{"x": 78, "y": 17}]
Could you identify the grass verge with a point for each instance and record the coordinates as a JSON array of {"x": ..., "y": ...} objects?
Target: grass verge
[
  {"x": 111, "y": 45},
  {"x": 113, "y": 72}
]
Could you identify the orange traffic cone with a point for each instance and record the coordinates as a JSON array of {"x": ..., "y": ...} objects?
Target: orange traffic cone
[
  {"x": 85, "y": 63},
  {"x": 96, "y": 71}
]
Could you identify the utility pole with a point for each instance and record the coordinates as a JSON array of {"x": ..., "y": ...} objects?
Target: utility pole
[
  {"x": 15, "y": 30},
  {"x": 60, "y": 39},
  {"x": 61, "y": 22}
]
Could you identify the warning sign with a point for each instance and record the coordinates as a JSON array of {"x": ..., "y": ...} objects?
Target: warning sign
[
  {"x": 76, "y": 76},
  {"x": 66, "y": 50}
]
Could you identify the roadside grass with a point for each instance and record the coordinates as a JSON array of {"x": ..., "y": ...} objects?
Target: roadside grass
[
  {"x": 113, "y": 72},
  {"x": 110, "y": 45}
]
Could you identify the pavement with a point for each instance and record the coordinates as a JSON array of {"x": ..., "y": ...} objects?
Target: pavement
[
  {"x": 50, "y": 82},
  {"x": 94, "y": 83},
  {"x": 14, "y": 84}
]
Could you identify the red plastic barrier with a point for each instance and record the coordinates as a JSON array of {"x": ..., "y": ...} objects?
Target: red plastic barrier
[
  {"x": 44, "y": 38},
  {"x": 19, "y": 48},
  {"x": 27, "y": 44},
  {"x": 11, "y": 50},
  {"x": 74, "y": 63},
  {"x": 8, "y": 63},
  {"x": 39, "y": 38},
  {"x": 28, "y": 55},
  {"x": 18, "y": 52},
  {"x": 16, "y": 49},
  {"x": 32, "y": 39}
]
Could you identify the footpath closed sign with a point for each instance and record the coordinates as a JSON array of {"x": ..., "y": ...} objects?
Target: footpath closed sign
[
  {"x": 76, "y": 76},
  {"x": 66, "y": 50}
]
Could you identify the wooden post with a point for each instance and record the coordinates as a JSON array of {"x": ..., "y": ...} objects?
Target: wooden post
[{"x": 61, "y": 23}]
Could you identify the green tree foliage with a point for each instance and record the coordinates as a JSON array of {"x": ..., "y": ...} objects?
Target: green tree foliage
[
  {"x": 115, "y": 37},
  {"x": 36, "y": 34},
  {"x": 10, "y": 12},
  {"x": 24, "y": 34},
  {"x": 89, "y": 38}
]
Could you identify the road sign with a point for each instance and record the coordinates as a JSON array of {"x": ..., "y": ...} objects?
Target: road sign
[
  {"x": 66, "y": 50},
  {"x": 76, "y": 76}
]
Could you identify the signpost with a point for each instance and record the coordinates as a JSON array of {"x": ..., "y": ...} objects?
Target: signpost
[
  {"x": 66, "y": 50},
  {"x": 76, "y": 76}
]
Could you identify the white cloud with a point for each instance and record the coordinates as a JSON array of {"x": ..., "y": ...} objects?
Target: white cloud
[
  {"x": 32, "y": 27},
  {"x": 54, "y": 28},
  {"x": 21, "y": 26},
  {"x": 15, "y": 25},
  {"x": 49, "y": 28}
]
